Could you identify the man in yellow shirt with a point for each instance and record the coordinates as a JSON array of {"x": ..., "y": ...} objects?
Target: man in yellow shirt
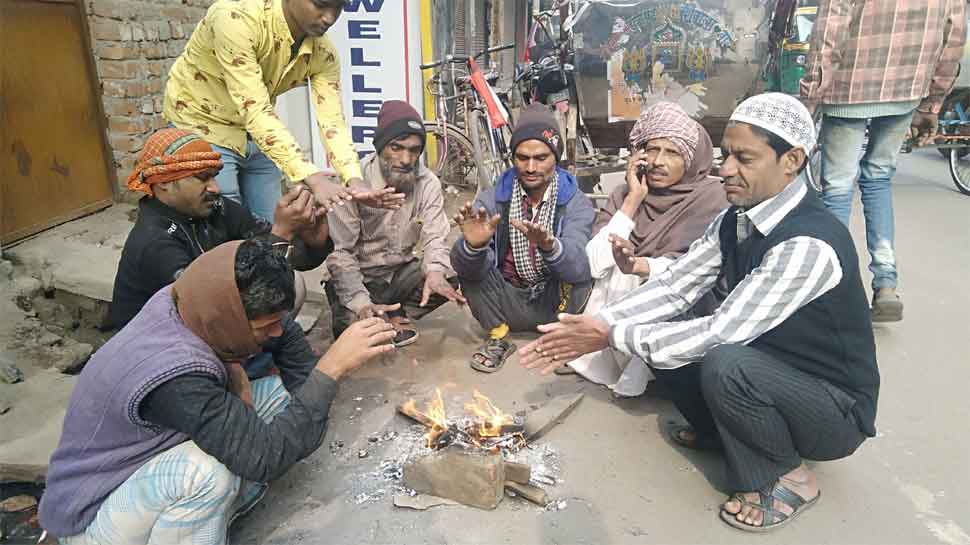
[{"x": 241, "y": 56}]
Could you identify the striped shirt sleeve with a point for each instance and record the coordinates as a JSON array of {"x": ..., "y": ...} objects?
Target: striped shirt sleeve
[
  {"x": 673, "y": 292},
  {"x": 791, "y": 275}
]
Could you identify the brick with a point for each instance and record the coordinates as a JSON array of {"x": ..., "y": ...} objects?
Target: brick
[
  {"x": 137, "y": 32},
  {"x": 156, "y": 68},
  {"x": 109, "y": 29},
  {"x": 158, "y": 122},
  {"x": 117, "y": 51},
  {"x": 178, "y": 32},
  {"x": 147, "y": 106},
  {"x": 135, "y": 88},
  {"x": 113, "y": 88},
  {"x": 120, "y": 106},
  {"x": 158, "y": 104},
  {"x": 175, "y": 47},
  {"x": 113, "y": 9},
  {"x": 154, "y": 51},
  {"x": 473, "y": 479},
  {"x": 128, "y": 125},
  {"x": 109, "y": 69},
  {"x": 125, "y": 143},
  {"x": 164, "y": 31},
  {"x": 154, "y": 86}
]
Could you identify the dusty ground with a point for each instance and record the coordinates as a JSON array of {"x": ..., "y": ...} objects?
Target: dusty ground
[{"x": 623, "y": 482}]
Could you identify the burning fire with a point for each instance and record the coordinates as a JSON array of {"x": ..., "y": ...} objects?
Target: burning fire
[
  {"x": 488, "y": 428},
  {"x": 490, "y": 418},
  {"x": 434, "y": 415}
]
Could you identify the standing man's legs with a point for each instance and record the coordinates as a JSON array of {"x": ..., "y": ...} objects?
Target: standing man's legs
[
  {"x": 252, "y": 180},
  {"x": 878, "y": 165},
  {"x": 260, "y": 182},
  {"x": 841, "y": 140},
  {"x": 228, "y": 177}
]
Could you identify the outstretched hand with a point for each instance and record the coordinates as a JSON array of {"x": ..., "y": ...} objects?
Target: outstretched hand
[
  {"x": 361, "y": 342},
  {"x": 536, "y": 234},
  {"x": 563, "y": 341},
  {"x": 436, "y": 283},
  {"x": 476, "y": 226}
]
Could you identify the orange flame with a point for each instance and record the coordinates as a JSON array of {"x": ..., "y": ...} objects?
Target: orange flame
[
  {"x": 490, "y": 418},
  {"x": 434, "y": 414}
]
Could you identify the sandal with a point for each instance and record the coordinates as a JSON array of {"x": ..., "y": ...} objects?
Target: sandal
[
  {"x": 492, "y": 355},
  {"x": 771, "y": 517},
  {"x": 700, "y": 442},
  {"x": 406, "y": 333}
]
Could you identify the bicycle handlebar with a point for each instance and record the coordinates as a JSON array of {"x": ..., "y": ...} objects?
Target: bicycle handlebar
[{"x": 461, "y": 59}]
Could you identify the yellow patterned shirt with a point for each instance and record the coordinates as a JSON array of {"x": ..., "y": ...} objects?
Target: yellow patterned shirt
[{"x": 238, "y": 60}]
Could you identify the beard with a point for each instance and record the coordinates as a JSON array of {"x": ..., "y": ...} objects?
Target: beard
[{"x": 401, "y": 181}]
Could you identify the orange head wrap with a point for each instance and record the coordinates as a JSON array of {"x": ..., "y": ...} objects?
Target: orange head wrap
[{"x": 169, "y": 155}]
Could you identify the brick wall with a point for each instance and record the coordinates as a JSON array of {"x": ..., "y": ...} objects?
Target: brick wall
[{"x": 135, "y": 44}]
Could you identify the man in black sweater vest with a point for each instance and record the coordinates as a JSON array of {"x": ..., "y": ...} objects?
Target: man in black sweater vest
[{"x": 785, "y": 369}]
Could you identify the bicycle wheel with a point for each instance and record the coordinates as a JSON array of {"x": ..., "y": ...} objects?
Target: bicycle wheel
[
  {"x": 960, "y": 169},
  {"x": 458, "y": 168},
  {"x": 490, "y": 165}
]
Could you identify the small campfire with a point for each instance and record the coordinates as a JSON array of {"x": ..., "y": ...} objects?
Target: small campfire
[
  {"x": 484, "y": 428},
  {"x": 470, "y": 463}
]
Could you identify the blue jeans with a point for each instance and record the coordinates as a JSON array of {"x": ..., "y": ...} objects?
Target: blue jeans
[
  {"x": 842, "y": 140},
  {"x": 253, "y": 180}
]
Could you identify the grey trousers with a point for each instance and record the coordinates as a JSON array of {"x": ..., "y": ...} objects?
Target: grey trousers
[
  {"x": 405, "y": 287},
  {"x": 768, "y": 414},
  {"x": 494, "y": 301}
]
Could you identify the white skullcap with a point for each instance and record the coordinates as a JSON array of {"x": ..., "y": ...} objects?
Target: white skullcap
[{"x": 780, "y": 114}]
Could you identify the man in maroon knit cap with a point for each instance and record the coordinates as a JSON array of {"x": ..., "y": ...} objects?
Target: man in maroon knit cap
[{"x": 375, "y": 265}]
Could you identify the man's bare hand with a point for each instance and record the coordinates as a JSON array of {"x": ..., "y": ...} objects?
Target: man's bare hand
[
  {"x": 295, "y": 212},
  {"x": 571, "y": 337},
  {"x": 637, "y": 188},
  {"x": 360, "y": 343},
  {"x": 377, "y": 311},
  {"x": 626, "y": 259},
  {"x": 536, "y": 234},
  {"x": 924, "y": 127},
  {"x": 476, "y": 227},
  {"x": 327, "y": 193},
  {"x": 387, "y": 198},
  {"x": 436, "y": 283}
]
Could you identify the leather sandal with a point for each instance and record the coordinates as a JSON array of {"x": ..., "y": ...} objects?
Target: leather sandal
[{"x": 771, "y": 517}]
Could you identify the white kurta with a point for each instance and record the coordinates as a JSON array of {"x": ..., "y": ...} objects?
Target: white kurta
[{"x": 625, "y": 376}]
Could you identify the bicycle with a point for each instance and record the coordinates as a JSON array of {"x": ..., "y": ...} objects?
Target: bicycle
[{"x": 473, "y": 140}]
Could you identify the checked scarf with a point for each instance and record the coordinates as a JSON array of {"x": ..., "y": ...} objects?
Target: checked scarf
[{"x": 532, "y": 269}]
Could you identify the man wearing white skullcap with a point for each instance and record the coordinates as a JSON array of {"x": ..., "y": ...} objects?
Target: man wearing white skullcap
[{"x": 785, "y": 369}]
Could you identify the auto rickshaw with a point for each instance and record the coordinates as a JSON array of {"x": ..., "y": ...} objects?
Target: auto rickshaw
[{"x": 786, "y": 64}]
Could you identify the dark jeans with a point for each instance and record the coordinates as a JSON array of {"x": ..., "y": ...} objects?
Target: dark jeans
[
  {"x": 768, "y": 414},
  {"x": 494, "y": 301},
  {"x": 405, "y": 287}
]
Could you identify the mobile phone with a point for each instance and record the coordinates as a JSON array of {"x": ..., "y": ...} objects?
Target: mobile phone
[{"x": 642, "y": 171}]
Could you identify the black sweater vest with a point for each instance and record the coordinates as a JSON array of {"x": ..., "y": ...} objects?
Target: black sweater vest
[{"x": 831, "y": 337}]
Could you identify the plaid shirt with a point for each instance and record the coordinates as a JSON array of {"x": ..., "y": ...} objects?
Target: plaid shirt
[{"x": 875, "y": 51}]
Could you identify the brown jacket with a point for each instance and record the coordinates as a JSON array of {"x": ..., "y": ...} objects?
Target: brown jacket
[{"x": 371, "y": 243}]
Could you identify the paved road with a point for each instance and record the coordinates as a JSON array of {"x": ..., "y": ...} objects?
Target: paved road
[{"x": 625, "y": 484}]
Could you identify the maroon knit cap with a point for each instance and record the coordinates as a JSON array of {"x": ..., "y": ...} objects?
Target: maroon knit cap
[
  {"x": 536, "y": 122},
  {"x": 396, "y": 119}
]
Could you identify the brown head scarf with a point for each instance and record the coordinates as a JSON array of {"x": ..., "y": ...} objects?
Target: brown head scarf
[
  {"x": 210, "y": 305},
  {"x": 669, "y": 220},
  {"x": 169, "y": 155}
]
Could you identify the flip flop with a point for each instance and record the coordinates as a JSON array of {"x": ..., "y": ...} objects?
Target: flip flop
[
  {"x": 492, "y": 355},
  {"x": 700, "y": 442},
  {"x": 772, "y": 519},
  {"x": 406, "y": 333}
]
